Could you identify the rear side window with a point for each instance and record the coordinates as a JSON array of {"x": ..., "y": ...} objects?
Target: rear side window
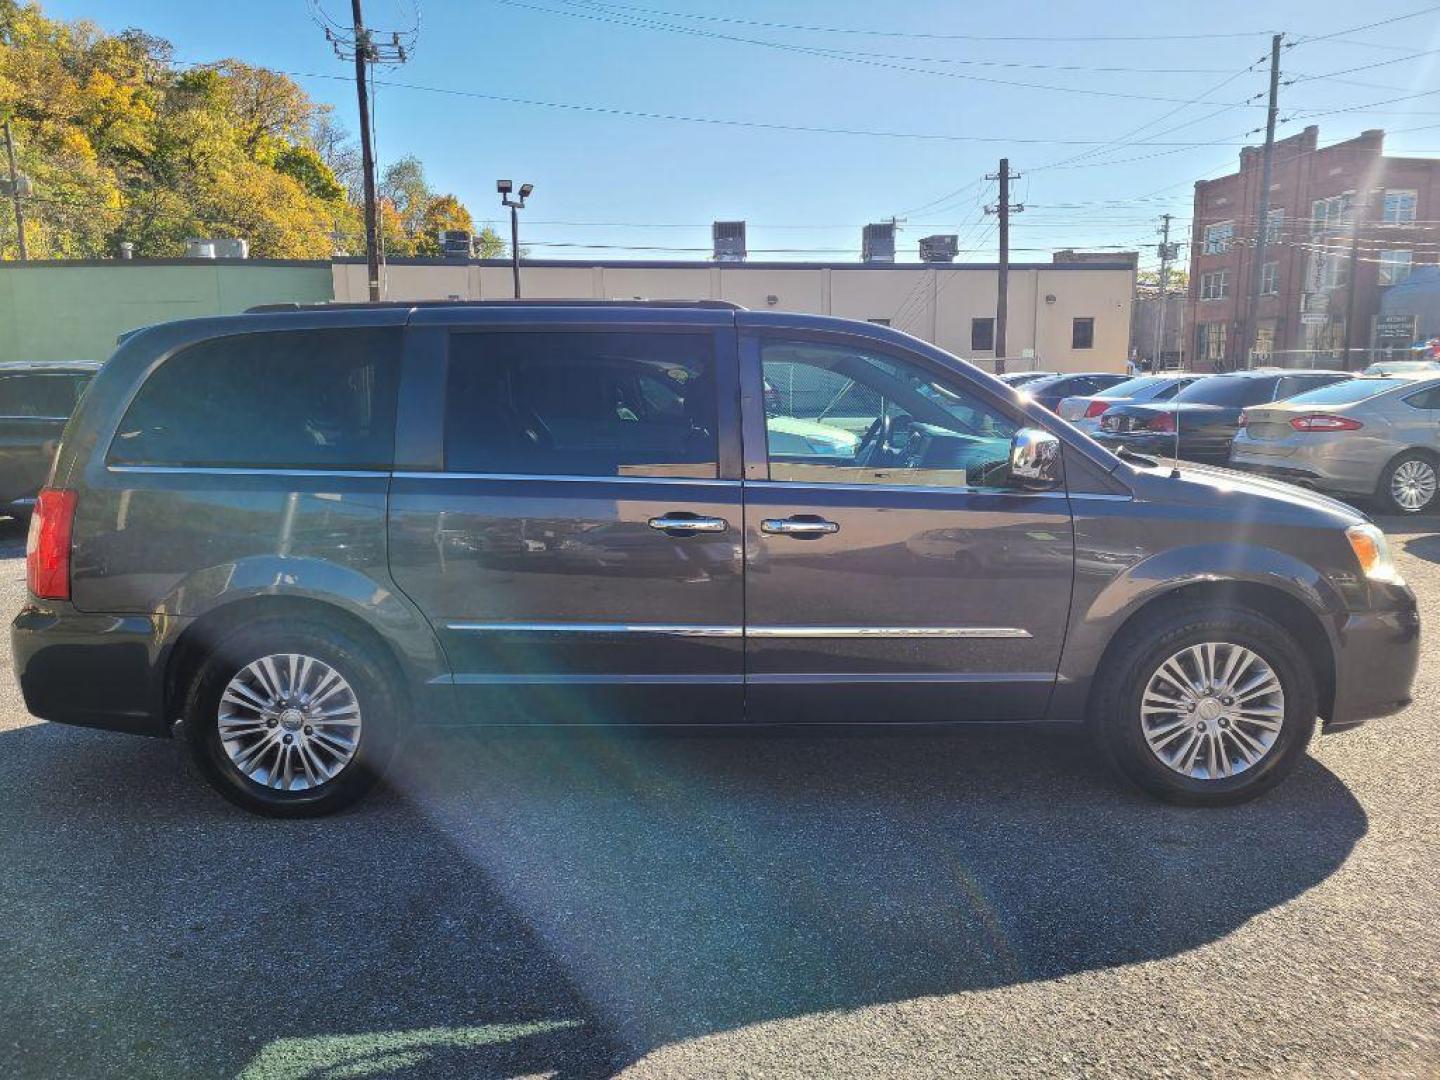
[
  {"x": 52, "y": 395},
  {"x": 1229, "y": 391},
  {"x": 314, "y": 399},
  {"x": 581, "y": 404}
]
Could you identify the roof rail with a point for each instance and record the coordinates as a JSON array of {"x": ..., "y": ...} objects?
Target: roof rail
[{"x": 350, "y": 305}]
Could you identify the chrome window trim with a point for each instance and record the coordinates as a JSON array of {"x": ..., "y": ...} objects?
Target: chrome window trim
[
  {"x": 670, "y": 629},
  {"x": 785, "y": 485},
  {"x": 234, "y": 470},
  {"x": 9, "y": 416},
  {"x": 909, "y": 632},
  {"x": 437, "y": 474}
]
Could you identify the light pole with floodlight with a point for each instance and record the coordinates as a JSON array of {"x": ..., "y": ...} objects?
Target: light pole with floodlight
[{"x": 515, "y": 205}]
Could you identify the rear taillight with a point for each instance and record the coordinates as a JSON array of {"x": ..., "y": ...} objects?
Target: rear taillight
[
  {"x": 1163, "y": 422},
  {"x": 1325, "y": 422},
  {"x": 47, "y": 550},
  {"x": 1095, "y": 408}
]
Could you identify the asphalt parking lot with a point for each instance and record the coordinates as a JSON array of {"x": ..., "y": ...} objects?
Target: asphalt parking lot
[{"x": 582, "y": 904}]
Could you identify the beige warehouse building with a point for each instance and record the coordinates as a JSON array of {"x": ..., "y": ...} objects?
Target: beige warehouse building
[{"x": 1064, "y": 316}]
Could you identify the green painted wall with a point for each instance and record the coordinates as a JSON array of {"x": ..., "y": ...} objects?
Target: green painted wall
[{"x": 74, "y": 311}]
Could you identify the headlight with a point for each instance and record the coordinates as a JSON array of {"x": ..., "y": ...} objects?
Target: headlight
[{"x": 1370, "y": 549}]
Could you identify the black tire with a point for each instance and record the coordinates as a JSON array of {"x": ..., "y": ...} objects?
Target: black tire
[
  {"x": 1384, "y": 490},
  {"x": 1146, "y": 644},
  {"x": 370, "y": 677}
]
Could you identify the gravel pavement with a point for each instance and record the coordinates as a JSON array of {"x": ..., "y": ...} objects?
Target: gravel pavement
[{"x": 581, "y": 904}]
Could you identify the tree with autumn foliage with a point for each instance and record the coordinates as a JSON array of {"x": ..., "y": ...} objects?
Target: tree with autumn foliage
[{"x": 121, "y": 144}]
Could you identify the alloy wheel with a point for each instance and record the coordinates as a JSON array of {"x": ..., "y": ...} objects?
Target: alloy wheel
[
  {"x": 289, "y": 722},
  {"x": 1413, "y": 484},
  {"x": 1212, "y": 710}
]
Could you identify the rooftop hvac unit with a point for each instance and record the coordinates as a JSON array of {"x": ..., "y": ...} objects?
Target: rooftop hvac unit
[
  {"x": 877, "y": 243},
  {"x": 196, "y": 248},
  {"x": 729, "y": 237},
  {"x": 454, "y": 243},
  {"x": 939, "y": 248}
]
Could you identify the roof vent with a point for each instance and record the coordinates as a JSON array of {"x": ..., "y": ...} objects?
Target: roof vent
[
  {"x": 877, "y": 242},
  {"x": 939, "y": 248},
  {"x": 729, "y": 237}
]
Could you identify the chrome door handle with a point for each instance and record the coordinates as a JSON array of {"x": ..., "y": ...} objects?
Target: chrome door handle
[
  {"x": 681, "y": 523},
  {"x": 794, "y": 526}
]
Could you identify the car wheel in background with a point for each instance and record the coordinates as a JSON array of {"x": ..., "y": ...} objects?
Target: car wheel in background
[
  {"x": 1204, "y": 705},
  {"x": 291, "y": 719},
  {"x": 1409, "y": 483}
]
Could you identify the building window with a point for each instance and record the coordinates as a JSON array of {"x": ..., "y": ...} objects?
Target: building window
[
  {"x": 1399, "y": 208},
  {"x": 1270, "y": 278},
  {"x": 1218, "y": 237},
  {"x": 1082, "y": 333},
  {"x": 1215, "y": 285},
  {"x": 1331, "y": 213},
  {"x": 1274, "y": 226},
  {"x": 1395, "y": 266},
  {"x": 982, "y": 335},
  {"x": 1212, "y": 343}
]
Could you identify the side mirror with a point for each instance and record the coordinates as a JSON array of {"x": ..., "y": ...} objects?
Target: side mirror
[{"x": 1035, "y": 463}]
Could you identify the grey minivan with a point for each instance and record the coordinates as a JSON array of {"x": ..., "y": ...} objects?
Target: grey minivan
[{"x": 294, "y": 535}]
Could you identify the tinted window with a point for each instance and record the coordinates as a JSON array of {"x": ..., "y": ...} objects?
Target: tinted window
[
  {"x": 315, "y": 399},
  {"x": 1348, "y": 390},
  {"x": 40, "y": 395},
  {"x": 1082, "y": 333},
  {"x": 1131, "y": 387},
  {"x": 581, "y": 404},
  {"x": 982, "y": 334},
  {"x": 1291, "y": 385},
  {"x": 1425, "y": 399},
  {"x": 843, "y": 415},
  {"x": 1233, "y": 391}
]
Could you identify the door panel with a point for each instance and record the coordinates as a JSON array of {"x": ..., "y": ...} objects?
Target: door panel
[
  {"x": 935, "y": 592},
  {"x": 562, "y": 596}
]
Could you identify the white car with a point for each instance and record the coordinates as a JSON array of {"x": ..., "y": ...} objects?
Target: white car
[{"x": 1085, "y": 412}]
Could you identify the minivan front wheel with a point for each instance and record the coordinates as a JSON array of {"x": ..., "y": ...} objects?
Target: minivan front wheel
[
  {"x": 290, "y": 719},
  {"x": 1205, "y": 705}
]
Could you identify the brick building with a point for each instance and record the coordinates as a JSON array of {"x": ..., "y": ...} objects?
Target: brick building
[{"x": 1345, "y": 222}]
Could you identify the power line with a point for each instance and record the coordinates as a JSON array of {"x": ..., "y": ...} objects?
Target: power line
[
  {"x": 1362, "y": 67},
  {"x": 832, "y": 54},
  {"x": 929, "y": 36},
  {"x": 1367, "y": 26}
]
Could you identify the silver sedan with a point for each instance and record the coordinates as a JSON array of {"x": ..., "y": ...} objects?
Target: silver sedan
[{"x": 1377, "y": 436}]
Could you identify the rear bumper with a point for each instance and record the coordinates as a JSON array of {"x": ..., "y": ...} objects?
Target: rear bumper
[
  {"x": 1375, "y": 663},
  {"x": 101, "y": 671},
  {"x": 1322, "y": 463}
]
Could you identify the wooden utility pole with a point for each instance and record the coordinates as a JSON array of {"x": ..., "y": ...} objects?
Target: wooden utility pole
[
  {"x": 1003, "y": 209},
  {"x": 15, "y": 193},
  {"x": 1262, "y": 213},
  {"x": 367, "y": 158},
  {"x": 1157, "y": 357}
]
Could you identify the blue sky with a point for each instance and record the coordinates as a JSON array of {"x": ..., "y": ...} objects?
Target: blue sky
[{"x": 604, "y": 179}]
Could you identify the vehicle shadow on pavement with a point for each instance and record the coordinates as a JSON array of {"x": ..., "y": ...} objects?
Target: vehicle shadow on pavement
[{"x": 565, "y": 901}]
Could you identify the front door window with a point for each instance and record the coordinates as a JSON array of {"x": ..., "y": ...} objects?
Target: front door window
[{"x": 844, "y": 415}]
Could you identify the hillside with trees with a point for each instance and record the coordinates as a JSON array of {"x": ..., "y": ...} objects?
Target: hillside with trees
[{"x": 122, "y": 143}]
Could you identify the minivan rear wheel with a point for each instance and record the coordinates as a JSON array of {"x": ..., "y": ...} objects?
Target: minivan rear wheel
[
  {"x": 1204, "y": 705},
  {"x": 290, "y": 719}
]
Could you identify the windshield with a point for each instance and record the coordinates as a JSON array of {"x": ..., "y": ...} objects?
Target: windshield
[
  {"x": 1343, "y": 393},
  {"x": 1231, "y": 390}
]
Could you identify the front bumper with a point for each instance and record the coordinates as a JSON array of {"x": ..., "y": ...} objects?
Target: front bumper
[
  {"x": 1376, "y": 658},
  {"x": 101, "y": 671}
]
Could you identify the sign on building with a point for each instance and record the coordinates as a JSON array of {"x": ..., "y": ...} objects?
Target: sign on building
[{"x": 1395, "y": 328}]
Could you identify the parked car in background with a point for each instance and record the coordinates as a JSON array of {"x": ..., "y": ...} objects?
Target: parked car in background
[
  {"x": 1053, "y": 389},
  {"x": 1376, "y": 436},
  {"x": 36, "y": 399},
  {"x": 1020, "y": 378},
  {"x": 1202, "y": 419},
  {"x": 502, "y": 514},
  {"x": 1403, "y": 367},
  {"x": 1085, "y": 411}
]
